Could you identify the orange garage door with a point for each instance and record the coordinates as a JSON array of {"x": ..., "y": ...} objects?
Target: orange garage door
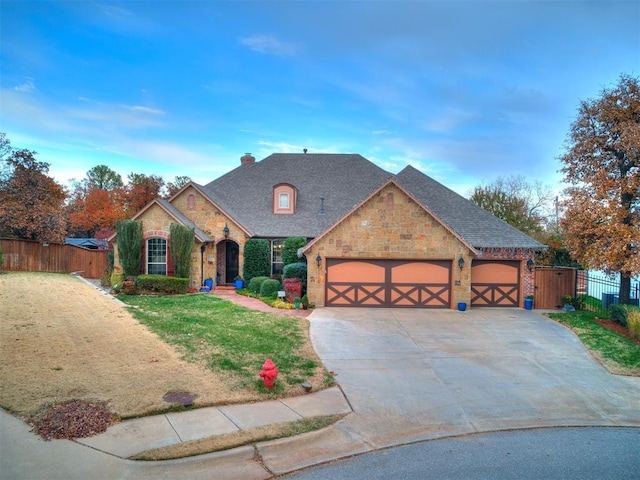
[
  {"x": 495, "y": 283},
  {"x": 388, "y": 283}
]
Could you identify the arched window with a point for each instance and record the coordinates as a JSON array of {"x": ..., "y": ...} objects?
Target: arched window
[{"x": 156, "y": 260}]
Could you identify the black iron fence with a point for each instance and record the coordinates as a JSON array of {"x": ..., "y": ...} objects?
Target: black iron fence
[{"x": 599, "y": 291}]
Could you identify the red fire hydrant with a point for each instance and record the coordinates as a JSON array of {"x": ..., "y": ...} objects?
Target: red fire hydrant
[{"x": 269, "y": 373}]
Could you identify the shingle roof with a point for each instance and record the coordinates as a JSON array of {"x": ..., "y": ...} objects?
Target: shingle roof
[
  {"x": 477, "y": 226},
  {"x": 343, "y": 180}
]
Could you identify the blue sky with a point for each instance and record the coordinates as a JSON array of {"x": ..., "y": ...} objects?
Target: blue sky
[{"x": 465, "y": 91}]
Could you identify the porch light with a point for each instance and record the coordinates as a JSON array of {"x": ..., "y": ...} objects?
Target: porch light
[
  {"x": 461, "y": 262},
  {"x": 530, "y": 264},
  {"x": 225, "y": 231},
  {"x": 318, "y": 260}
]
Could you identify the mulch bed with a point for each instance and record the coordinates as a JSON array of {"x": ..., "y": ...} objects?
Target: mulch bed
[
  {"x": 73, "y": 419},
  {"x": 616, "y": 327}
]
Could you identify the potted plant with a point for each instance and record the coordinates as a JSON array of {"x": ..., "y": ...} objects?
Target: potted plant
[
  {"x": 208, "y": 283},
  {"x": 296, "y": 302},
  {"x": 239, "y": 282},
  {"x": 305, "y": 302},
  {"x": 528, "y": 302}
]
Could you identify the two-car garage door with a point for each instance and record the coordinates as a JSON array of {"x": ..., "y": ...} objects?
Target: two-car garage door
[{"x": 388, "y": 283}]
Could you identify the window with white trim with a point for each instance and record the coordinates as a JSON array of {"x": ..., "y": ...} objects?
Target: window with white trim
[
  {"x": 276, "y": 257},
  {"x": 283, "y": 201},
  {"x": 156, "y": 256}
]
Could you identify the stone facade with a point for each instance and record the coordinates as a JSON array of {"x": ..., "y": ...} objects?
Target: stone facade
[{"x": 389, "y": 225}]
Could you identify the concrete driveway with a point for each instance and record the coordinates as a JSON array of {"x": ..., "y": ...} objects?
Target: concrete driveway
[{"x": 413, "y": 375}]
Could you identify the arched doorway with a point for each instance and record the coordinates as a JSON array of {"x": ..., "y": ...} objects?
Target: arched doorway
[{"x": 228, "y": 260}]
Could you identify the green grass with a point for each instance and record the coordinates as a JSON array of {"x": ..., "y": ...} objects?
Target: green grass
[
  {"x": 617, "y": 352},
  {"x": 229, "y": 338}
]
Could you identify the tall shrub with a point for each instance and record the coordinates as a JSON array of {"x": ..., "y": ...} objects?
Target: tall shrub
[
  {"x": 181, "y": 241},
  {"x": 130, "y": 246},
  {"x": 290, "y": 248},
  {"x": 257, "y": 258}
]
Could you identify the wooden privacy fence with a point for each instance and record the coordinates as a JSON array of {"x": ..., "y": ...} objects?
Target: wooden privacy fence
[
  {"x": 553, "y": 283},
  {"x": 30, "y": 256}
]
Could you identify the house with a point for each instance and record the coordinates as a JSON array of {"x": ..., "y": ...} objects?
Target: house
[
  {"x": 374, "y": 238},
  {"x": 88, "y": 243}
]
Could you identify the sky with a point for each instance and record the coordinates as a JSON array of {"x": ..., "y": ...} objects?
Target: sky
[{"x": 465, "y": 91}]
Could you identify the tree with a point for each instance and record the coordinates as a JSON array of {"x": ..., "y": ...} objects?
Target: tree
[
  {"x": 130, "y": 246},
  {"x": 515, "y": 201},
  {"x": 31, "y": 202},
  {"x": 95, "y": 214},
  {"x": 181, "y": 241},
  {"x": 103, "y": 178},
  {"x": 176, "y": 185},
  {"x": 602, "y": 167},
  {"x": 140, "y": 190}
]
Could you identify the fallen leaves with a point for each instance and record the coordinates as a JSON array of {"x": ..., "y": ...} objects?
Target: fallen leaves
[{"x": 73, "y": 419}]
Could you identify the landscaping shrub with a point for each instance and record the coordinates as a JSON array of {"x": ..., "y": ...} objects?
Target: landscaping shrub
[
  {"x": 296, "y": 270},
  {"x": 633, "y": 323},
  {"x": 255, "y": 283},
  {"x": 117, "y": 279},
  {"x": 181, "y": 241},
  {"x": 130, "y": 246},
  {"x": 290, "y": 248},
  {"x": 292, "y": 288},
  {"x": 162, "y": 284},
  {"x": 269, "y": 288},
  {"x": 257, "y": 258},
  {"x": 618, "y": 313}
]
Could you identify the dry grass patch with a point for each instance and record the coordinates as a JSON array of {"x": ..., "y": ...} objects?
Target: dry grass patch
[{"x": 62, "y": 340}]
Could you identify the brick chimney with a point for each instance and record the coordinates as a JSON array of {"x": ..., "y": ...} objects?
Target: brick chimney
[{"x": 247, "y": 158}]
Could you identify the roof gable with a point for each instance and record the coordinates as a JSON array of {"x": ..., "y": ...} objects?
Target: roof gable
[{"x": 477, "y": 226}]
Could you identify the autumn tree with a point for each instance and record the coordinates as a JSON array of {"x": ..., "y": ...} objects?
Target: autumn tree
[
  {"x": 31, "y": 202},
  {"x": 517, "y": 202},
  {"x": 140, "y": 190},
  {"x": 96, "y": 203},
  {"x": 173, "y": 187},
  {"x": 602, "y": 167}
]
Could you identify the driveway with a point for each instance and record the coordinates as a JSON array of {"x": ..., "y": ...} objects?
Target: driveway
[{"x": 414, "y": 375}]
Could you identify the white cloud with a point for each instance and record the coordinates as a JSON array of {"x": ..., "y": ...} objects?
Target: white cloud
[
  {"x": 26, "y": 87},
  {"x": 270, "y": 45}
]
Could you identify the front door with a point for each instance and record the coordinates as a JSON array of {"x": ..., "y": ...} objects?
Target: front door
[{"x": 231, "y": 261}]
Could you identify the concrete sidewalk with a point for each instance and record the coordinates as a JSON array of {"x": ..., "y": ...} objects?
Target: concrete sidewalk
[{"x": 131, "y": 437}]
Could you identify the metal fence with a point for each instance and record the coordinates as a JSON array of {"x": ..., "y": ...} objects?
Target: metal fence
[{"x": 603, "y": 290}]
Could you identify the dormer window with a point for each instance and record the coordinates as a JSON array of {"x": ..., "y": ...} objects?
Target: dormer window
[{"x": 284, "y": 199}]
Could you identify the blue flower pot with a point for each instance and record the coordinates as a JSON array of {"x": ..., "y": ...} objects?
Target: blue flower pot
[
  {"x": 239, "y": 284},
  {"x": 528, "y": 303},
  {"x": 462, "y": 306}
]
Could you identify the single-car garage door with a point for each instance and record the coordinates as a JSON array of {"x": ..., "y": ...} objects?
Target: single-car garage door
[
  {"x": 388, "y": 283},
  {"x": 495, "y": 283}
]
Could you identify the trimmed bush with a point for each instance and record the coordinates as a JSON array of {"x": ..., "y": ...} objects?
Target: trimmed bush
[
  {"x": 257, "y": 258},
  {"x": 130, "y": 246},
  {"x": 255, "y": 283},
  {"x": 619, "y": 313},
  {"x": 295, "y": 270},
  {"x": 181, "y": 241},
  {"x": 290, "y": 248},
  {"x": 117, "y": 279},
  {"x": 162, "y": 284},
  {"x": 269, "y": 288}
]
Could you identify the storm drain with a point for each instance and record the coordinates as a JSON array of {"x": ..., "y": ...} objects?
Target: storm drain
[{"x": 182, "y": 398}]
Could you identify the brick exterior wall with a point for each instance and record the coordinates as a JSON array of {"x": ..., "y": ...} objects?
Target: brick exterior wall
[
  {"x": 390, "y": 225},
  {"x": 156, "y": 222}
]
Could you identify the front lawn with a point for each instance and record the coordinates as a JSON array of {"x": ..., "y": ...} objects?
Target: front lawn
[
  {"x": 615, "y": 352},
  {"x": 234, "y": 341}
]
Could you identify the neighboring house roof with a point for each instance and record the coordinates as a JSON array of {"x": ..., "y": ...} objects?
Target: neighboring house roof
[
  {"x": 90, "y": 243},
  {"x": 342, "y": 180},
  {"x": 477, "y": 226}
]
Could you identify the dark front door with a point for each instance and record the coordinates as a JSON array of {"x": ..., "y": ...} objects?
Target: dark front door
[{"x": 232, "y": 268}]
